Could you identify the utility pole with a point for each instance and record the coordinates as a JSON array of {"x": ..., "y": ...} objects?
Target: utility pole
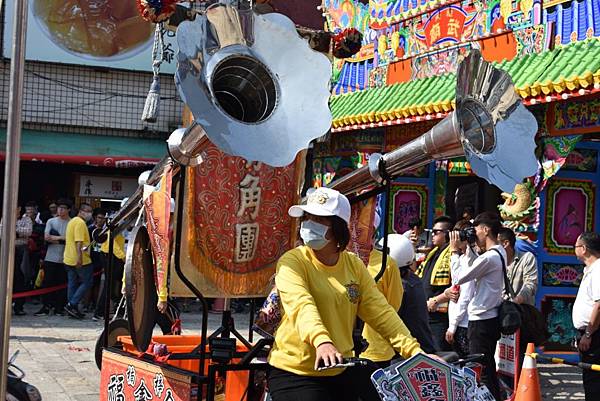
[{"x": 11, "y": 182}]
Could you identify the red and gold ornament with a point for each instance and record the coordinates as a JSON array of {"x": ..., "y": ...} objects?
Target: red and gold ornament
[{"x": 156, "y": 10}]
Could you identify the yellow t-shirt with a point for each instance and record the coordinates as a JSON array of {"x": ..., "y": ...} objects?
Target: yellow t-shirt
[
  {"x": 77, "y": 231},
  {"x": 390, "y": 285},
  {"x": 119, "y": 252},
  {"x": 320, "y": 304}
]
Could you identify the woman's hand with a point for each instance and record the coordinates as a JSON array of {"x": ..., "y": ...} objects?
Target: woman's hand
[
  {"x": 327, "y": 353},
  {"x": 161, "y": 306},
  {"x": 437, "y": 358}
]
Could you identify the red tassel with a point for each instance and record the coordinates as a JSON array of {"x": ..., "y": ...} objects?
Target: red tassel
[{"x": 176, "y": 327}]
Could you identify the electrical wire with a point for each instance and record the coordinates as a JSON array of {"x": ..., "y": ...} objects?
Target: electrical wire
[{"x": 93, "y": 91}]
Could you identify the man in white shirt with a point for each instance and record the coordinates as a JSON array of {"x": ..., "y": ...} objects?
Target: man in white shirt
[
  {"x": 458, "y": 318},
  {"x": 485, "y": 271},
  {"x": 586, "y": 310}
]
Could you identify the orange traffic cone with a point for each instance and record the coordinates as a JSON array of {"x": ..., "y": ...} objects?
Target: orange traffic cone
[{"x": 529, "y": 382}]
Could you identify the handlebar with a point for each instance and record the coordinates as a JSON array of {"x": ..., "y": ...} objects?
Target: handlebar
[
  {"x": 454, "y": 359},
  {"x": 346, "y": 363}
]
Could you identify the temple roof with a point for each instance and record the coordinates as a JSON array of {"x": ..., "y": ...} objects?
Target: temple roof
[{"x": 565, "y": 71}]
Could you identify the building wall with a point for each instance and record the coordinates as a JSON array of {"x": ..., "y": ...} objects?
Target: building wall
[{"x": 90, "y": 100}]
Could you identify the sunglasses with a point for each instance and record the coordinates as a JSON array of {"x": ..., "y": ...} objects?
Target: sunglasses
[{"x": 436, "y": 231}]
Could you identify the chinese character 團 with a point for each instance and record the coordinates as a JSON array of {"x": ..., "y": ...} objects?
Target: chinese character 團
[
  {"x": 115, "y": 388},
  {"x": 246, "y": 239}
]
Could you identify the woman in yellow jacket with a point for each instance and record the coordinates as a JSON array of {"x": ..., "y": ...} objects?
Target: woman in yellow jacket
[{"x": 323, "y": 288}]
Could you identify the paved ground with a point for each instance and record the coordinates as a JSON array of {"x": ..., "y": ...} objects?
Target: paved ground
[{"x": 57, "y": 354}]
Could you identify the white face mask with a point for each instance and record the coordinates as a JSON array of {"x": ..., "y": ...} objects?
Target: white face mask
[{"x": 313, "y": 234}]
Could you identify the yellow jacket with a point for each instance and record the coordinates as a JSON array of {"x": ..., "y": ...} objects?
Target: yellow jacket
[
  {"x": 390, "y": 285},
  {"x": 440, "y": 276},
  {"x": 320, "y": 304}
]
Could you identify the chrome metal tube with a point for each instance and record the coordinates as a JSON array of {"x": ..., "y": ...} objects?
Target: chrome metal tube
[
  {"x": 443, "y": 141},
  {"x": 193, "y": 141},
  {"x": 11, "y": 182}
]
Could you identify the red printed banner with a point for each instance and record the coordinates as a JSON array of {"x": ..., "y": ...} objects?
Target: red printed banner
[
  {"x": 445, "y": 25},
  {"x": 126, "y": 378}
]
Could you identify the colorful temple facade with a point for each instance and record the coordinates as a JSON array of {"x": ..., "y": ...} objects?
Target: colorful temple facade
[{"x": 402, "y": 82}]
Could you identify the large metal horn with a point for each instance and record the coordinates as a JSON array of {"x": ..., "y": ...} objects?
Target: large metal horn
[
  {"x": 252, "y": 83},
  {"x": 490, "y": 126}
]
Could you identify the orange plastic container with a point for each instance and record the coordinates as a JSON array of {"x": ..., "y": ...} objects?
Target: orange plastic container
[{"x": 236, "y": 382}]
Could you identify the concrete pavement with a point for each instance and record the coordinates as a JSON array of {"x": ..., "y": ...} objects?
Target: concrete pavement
[{"x": 57, "y": 354}]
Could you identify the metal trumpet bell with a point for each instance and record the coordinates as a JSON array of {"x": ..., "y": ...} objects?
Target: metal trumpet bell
[
  {"x": 252, "y": 83},
  {"x": 490, "y": 126}
]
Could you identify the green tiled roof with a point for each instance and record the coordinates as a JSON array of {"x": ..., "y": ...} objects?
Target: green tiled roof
[{"x": 566, "y": 68}]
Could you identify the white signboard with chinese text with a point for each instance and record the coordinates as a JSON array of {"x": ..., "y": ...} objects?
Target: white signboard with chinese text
[
  {"x": 92, "y": 186},
  {"x": 507, "y": 354}
]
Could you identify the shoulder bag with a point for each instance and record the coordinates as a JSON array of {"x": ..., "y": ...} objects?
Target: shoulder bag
[{"x": 509, "y": 312}]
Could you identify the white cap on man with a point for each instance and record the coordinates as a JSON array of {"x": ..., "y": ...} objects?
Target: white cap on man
[{"x": 323, "y": 202}]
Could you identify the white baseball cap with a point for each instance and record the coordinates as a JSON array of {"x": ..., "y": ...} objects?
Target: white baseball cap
[{"x": 323, "y": 202}]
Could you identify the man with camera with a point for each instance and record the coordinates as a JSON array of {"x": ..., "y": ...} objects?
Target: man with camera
[{"x": 486, "y": 272}]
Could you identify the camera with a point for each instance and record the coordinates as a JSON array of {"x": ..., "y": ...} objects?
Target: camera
[{"x": 468, "y": 234}]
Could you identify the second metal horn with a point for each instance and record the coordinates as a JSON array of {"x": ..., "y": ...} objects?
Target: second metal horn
[{"x": 490, "y": 126}]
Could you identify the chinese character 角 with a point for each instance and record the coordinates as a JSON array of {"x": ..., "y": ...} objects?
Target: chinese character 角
[
  {"x": 130, "y": 375},
  {"x": 159, "y": 385},
  {"x": 115, "y": 388},
  {"x": 246, "y": 239},
  {"x": 142, "y": 393},
  {"x": 249, "y": 196}
]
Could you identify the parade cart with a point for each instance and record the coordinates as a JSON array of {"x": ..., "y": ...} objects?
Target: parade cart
[{"x": 234, "y": 171}]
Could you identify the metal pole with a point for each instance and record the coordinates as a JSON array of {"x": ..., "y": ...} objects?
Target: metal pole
[{"x": 11, "y": 182}]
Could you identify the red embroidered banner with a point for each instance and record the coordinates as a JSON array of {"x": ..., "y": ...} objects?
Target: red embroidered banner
[{"x": 238, "y": 225}]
